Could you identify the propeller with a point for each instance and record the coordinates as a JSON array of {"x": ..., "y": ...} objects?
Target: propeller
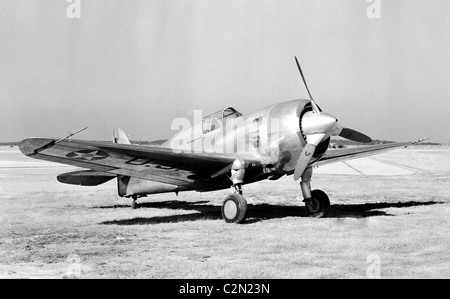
[
  {"x": 351, "y": 134},
  {"x": 313, "y": 103},
  {"x": 317, "y": 127},
  {"x": 307, "y": 154}
]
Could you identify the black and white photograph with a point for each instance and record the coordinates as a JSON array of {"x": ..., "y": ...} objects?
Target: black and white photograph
[{"x": 224, "y": 145}]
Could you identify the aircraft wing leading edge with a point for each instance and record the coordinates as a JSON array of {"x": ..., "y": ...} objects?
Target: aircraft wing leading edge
[{"x": 339, "y": 155}]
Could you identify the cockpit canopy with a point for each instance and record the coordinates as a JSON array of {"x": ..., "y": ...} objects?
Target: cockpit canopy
[{"x": 217, "y": 119}]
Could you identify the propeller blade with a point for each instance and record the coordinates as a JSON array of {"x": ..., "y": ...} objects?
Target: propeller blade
[
  {"x": 307, "y": 153},
  {"x": 313, "y": 104},
  {"x": 354, "y": 135},
  {"x": 303, "y": 161}
]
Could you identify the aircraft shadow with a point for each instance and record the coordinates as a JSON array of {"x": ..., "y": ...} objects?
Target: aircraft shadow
[{"x": 256, "y": 213}]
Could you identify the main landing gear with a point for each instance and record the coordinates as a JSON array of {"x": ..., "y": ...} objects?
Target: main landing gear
[
  {"x": 316, "y": 202},
  {"x": 234, "y": 207}
]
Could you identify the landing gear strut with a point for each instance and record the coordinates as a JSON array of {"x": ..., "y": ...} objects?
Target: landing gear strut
[
  {"x": 134, "y": 204},
  {"x": 316, "y": 202}
]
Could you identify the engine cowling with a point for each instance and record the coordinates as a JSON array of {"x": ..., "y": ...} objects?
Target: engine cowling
[
  {"x": 288, "y": 137},
  {"x": 305, "y": 118}
]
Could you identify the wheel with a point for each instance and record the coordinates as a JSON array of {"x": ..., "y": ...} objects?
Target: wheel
[
  {"x": 318, "y": 205},
  {"x": 234, "y": 208}
]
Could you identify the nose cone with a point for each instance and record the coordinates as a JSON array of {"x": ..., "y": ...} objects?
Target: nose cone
[{"x": 313, "y": 123}]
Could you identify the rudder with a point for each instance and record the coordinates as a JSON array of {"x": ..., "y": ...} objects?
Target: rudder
[{"x": 120, "y": 137}]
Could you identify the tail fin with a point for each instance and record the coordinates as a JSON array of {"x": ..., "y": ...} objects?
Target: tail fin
[{"x": 120, "y": 137}]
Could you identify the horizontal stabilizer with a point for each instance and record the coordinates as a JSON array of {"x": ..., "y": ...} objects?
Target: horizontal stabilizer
[{"x": 85, "y": 177}]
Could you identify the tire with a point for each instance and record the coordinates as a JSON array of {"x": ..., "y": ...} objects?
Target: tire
[
  {"x": 318, "y": 205},
  {"x": 234, "y": 208}
]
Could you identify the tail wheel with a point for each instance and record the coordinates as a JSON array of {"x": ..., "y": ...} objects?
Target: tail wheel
[
  {"x": 318, "y": 205},
  {"x": 234, "y": 208},
  {"x": 134, "y": 204}
]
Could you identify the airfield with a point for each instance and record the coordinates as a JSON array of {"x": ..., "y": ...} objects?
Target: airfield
[{"x": 389, "y": 219}]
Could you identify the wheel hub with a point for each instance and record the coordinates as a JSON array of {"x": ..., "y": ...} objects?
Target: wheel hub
[
  {"x": 230, "y": 209},
  {"x": 313, "y": 205}
]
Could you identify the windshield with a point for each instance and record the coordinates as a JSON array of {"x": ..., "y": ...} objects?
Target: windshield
[{"x": 216, "y": 120}]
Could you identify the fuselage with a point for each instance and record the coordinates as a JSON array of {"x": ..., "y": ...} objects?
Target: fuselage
[{"x": 273, "y": 134}]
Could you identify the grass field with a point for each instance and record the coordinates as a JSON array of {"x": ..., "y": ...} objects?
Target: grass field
[{"x": 389, "y": 219}]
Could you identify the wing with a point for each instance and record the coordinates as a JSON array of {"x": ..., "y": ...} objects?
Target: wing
[
  {"x": 191, "y": 171},
  {"x": 338, "y": 155}
]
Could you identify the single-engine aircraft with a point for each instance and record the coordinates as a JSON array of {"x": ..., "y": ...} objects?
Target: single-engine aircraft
[{"x": 292, "y": 145}]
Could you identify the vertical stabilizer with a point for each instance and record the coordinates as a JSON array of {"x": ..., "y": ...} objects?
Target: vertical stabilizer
[{"x": 120, "y": 137}]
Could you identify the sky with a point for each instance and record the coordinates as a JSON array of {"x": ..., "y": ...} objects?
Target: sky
[{"x": 138, "y": 65}]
